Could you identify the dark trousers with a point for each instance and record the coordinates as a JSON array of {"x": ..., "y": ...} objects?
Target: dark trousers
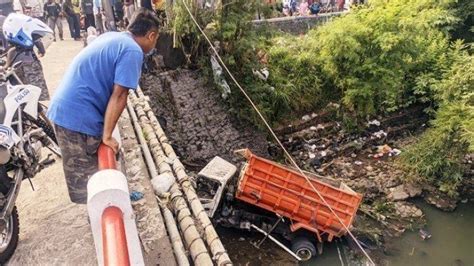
[
  {"x": 6, "y": 9},
  {"x": 90, "y": 21},
  {"x": 74, "y": 26},
  {"x": 3, "y": 42},
  {"x": 146, "y": 4}
]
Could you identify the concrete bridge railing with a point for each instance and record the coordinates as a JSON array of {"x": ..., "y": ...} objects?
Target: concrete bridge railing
[{"x": 297, "y": 24}]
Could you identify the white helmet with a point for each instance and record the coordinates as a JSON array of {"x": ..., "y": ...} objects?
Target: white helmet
[{"x": 19, "y": 29}]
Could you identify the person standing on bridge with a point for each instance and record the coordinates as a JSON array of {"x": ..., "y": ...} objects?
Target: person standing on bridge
[
  {"x": 92, "y": 95},
  {"x": 98, "y": 16},
  {"x": 87, "y": 8},
  {"x": 146, "y": 4},
  {"x": 53, "y": 13},
  {"x": 72, "y": 20},
  {"x": 6, "y": 7},
  {"x": 129, "y": 9}
]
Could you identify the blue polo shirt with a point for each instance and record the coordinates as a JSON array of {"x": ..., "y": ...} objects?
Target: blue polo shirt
[{"x": 81, "y": 99}]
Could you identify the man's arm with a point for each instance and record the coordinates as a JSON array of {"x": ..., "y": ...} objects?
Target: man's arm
[
  {"x": 10, "y": 56},
  {"x": 39, "y": 44},
  {"x": 117, "y": 103}
]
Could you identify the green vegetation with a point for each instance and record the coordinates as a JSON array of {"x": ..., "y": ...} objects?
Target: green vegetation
[
  {"x": 437, "y": 156},
  {"x": 375, "y": 60},
  {"x": 230, "y": 27},
  {"x": 465, "y": 13}
]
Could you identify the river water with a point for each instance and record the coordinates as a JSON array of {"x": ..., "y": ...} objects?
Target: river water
[{"x": 452, "y": 243}]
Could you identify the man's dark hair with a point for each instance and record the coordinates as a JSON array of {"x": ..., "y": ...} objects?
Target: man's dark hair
[{"x": 143, "y": 21}]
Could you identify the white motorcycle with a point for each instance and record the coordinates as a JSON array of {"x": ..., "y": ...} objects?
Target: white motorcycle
[{"x": 24, "y": 131}]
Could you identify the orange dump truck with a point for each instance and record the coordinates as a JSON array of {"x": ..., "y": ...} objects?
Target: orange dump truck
[{"x": 267, "y": 193}]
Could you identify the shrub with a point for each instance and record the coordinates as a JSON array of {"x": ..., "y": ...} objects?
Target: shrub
[
  {"x": 375, "y": 59},
  {"x": 437, "y": 156}
]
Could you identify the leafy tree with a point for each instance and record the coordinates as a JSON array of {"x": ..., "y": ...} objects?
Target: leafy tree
[{"x": 376, "y": 59}]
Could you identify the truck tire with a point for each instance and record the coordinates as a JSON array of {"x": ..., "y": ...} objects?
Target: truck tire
[
  {"x": 10, "y": 236},
  {"x": 304, "y": 248}
]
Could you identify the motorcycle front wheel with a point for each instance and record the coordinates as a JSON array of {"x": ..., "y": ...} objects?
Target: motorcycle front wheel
[
  {"x": 44, "y": 122},
  {"x": 9, "y": 237}
]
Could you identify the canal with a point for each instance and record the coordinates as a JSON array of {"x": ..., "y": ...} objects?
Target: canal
[{"x": 452, "y": 243}]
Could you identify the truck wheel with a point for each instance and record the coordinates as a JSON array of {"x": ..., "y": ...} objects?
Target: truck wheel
[{"x": 304, "y": 248}]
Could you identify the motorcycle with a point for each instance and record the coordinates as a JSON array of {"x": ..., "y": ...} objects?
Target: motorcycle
[{"x": 24, "y": 131}]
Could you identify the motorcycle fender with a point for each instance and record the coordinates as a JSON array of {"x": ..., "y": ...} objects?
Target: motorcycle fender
[
  {"x": 18, "y": 95},
  {"x": 8, "y": 137}
]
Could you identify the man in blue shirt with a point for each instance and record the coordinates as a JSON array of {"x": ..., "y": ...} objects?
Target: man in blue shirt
[{"x": 92, "y": 95}]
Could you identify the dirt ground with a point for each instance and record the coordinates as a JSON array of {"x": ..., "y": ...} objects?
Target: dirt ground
[{"x": 53, "y": 231}]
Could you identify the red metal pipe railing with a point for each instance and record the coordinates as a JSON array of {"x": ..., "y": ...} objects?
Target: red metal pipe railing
[
  {"x": 114, "y": 239},
  {"x": 106, "y": 157}
]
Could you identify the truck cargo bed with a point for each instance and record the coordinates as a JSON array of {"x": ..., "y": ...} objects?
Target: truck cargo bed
[{"x": 286, "y": 192}]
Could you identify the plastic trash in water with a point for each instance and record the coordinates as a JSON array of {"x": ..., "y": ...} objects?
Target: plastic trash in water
[
  {"x": 265, "y": 73},
  {"x": 394, "y": 152},
  {"x": 374, "y": 122},
  {"x": 384, "y": 149},
  {"x": 136, "y": 195},
  {"x": 379, "y": 134},
  {"x": 424, "y": 234},
  {"x": 219, "y": 78},
  {"x": 378, "y": 155}
]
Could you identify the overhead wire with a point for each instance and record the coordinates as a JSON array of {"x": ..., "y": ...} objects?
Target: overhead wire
[{"x": 293, "y": 162}]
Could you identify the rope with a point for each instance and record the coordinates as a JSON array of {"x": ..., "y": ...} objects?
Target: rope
[
  {"x": 339, "y": 253},
  {"x": 274, "y": 135}
]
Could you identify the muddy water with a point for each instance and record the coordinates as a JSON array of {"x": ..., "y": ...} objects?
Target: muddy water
[
  {"x": 242, "y": 252},
  {"x": 452, "y": 243}
]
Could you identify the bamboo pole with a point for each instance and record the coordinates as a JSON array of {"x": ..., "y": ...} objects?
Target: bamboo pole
[
  {"x": 191, "y": 235},
  {"x": 218, "y": 251},
  {"x": 176, "y": 241},
  {"x": 146, "y": 152}
]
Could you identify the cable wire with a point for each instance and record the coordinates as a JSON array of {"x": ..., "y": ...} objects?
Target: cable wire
[{"x": 275, "y": 136}]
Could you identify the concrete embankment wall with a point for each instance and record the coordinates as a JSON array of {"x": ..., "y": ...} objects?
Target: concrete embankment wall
[{"x": 198, "y": 122}]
